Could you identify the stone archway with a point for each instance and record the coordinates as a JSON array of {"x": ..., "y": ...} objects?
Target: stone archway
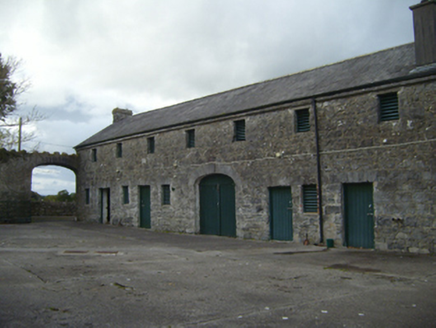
[{"x": 16, "y": 180}]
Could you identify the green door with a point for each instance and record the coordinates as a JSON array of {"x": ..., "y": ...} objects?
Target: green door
[
  {"x": 144, "y": 207},
  {"x": 281, "y": 213},
  {"x": 359, "y": 215},
  {"x": 217, "y": 206}
]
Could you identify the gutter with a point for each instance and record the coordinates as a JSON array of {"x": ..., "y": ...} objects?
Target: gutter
[{"x": 318, "y": 173}]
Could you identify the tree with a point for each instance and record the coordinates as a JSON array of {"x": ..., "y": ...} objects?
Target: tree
[
  {"x": 11, "y": 134},
  {"x": 62, "y": 196},
  {"x": 9, "y": 90}
]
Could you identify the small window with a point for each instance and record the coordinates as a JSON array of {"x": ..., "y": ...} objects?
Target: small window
[
  {"x": 302, "y": 120},
  {"x": 310, "y": 199},
  {"x": 150, "y": 145},
  {"x": 239, "y": 130},
  {"x": 126, "y": 199},
  {"x": 119, "y": 150},
  {"x": 87, "y": 198},
  {"x": 166, "y": 200},
  {"x": 94, "y": 155},
  {"x": 388, "y": 105},
  {"x": 190, "y": 138}
]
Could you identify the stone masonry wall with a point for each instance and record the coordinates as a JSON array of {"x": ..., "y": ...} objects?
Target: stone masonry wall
[
  {"x": 397, "y": 157},
  {"x": 272, "y": 155},
  {"x": 45, "y": 208}
]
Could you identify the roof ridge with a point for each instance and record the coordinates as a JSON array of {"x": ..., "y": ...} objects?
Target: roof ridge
[
  {"x": 378, "y": 66},
  {"x": 272, "y": 79}
]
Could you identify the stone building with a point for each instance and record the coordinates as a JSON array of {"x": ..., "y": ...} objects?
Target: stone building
[{"x": 344, "y": 152}]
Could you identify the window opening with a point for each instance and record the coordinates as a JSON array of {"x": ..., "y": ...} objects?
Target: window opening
[
  {"x": 190, "y": 138},
  {"x": 303, "y": 123},
  {"x": 87, "y": 197},
  {"x": 310, "y": 199},
  {"x": 126, "y": 195},
  {"x": 166, "y": 195},
  {"x": 151, "y": 144},
  {"x": 119, "y": 150},
  {"x": 94, "y": 155},
  {"x": 388, "y": 105},
  {"x": 239, "y": 130}
]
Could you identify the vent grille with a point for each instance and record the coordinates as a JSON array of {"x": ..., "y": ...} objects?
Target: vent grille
[
  {"x": 310, "y": 199},
  {"x": 240, "y": 130},
  {"x": 389, "y": 107},
  {"x": 303, "y": 124}
]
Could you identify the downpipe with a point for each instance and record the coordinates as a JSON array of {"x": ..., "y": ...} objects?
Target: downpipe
[{"x": 318, "y": 173}]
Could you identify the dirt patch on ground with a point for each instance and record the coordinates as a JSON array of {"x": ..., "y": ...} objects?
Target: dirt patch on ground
[{"x": 352, "y": 268}]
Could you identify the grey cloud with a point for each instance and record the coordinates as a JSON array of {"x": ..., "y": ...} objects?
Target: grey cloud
[{"x": 143, "y": 54}]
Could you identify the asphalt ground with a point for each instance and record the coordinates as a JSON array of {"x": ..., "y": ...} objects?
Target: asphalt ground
[{"x": 76, "y": 274}]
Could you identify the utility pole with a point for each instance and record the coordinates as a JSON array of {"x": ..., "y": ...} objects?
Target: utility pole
[{"x": 20, "y": 125}]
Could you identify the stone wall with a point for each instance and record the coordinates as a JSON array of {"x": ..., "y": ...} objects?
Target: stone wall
[
  {"x": 46, "y": 208},
  {"x": 397, "y": 157},
  {"x": 263, "y": 160}
]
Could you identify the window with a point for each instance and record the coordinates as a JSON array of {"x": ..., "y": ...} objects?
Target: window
[
  {"x": 388, "y": 105},
  {"x": 166, "y": 195},
  {"x": 150, "y": 145},
  {"x": 87, "y": 198},
  {"x": 310, "y": 199},
  {"x": 190, "y": 138},
  {"x": 126, "y": 195},
  {"x": 239, "y": 130},
  {"x": 302, "y": 120},
  {"x": 119, "y": 150},
  {"x": 94, "y": 155}
]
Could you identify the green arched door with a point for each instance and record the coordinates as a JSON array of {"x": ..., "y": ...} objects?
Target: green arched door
[{"x": 217, "y": 206}]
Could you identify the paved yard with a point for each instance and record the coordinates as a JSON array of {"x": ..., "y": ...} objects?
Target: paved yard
[{"x": 74, "y": 274}]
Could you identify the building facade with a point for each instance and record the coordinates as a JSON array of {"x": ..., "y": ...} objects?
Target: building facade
[{"x": 343, "y": 152}]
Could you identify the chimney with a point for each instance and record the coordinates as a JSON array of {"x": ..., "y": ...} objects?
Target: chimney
[
  {"x": 120, "y": 114},
  {"x": 424, "y": 24}
]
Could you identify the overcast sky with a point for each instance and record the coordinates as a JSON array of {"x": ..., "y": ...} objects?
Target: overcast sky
[{"x": 86, "y": 57}]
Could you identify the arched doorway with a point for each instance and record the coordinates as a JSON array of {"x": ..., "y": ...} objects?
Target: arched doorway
[{"x": 217, "y": 206}]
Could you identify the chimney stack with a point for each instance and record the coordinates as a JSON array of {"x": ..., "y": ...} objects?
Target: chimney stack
[
  {"x": 120, "y": 114},
  {"x": 424, "y": 24}
]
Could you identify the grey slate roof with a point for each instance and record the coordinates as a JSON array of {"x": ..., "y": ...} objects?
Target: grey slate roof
[{"x": 385, "y": 65}]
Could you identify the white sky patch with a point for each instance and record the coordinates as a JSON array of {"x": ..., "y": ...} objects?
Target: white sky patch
[{"x": 49, "y": 180}]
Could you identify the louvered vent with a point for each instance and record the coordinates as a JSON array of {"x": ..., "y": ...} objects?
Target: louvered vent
[
  {"x": 389, "y": 107},
  {"x": 303, "y": 123},
  {"x": 310, "y": 198},
  {"x": 240, "y": 130}
]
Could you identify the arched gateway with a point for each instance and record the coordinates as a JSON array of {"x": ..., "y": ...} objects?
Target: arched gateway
[
  {"x": 16, "y": 179},
  {"x": 217, "y": 206}
]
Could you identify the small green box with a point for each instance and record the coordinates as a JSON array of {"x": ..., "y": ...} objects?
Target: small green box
[{"x": 330, "y": 243}]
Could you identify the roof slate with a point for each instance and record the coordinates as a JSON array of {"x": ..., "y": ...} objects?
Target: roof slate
[{"x": 360, "y": 71}]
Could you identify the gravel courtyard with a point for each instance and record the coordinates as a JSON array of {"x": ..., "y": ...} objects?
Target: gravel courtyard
[{"x": 76, "y": 274}]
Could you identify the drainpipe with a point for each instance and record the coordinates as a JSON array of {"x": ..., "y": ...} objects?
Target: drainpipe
[{"x": 318, "y": 172}]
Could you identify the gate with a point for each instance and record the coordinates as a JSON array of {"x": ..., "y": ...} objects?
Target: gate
[
  {"x": 217, "y": 206},
  {"x": 359, "y": 215},
  {"x": 15, "y": 212}
]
